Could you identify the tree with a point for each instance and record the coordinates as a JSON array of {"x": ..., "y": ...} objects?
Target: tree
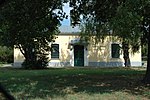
[
  {"x": 30, "y": 25},
  {"x": 88, "y": 31},
  {"x": 136, "y": 21},
  {"x": 128, "y": 19},
  {"x": 2, "y": 89},
  {"x": 99, "y": 15},
  {"x": 146, "y": 34},
  {"x": 125, "y": 24}
]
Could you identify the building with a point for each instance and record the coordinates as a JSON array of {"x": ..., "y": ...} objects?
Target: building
[{"x": 69, "y": 50}]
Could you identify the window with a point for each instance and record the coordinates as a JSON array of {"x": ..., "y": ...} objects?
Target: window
[
  {"x": 55, "y": 51},
  {"x": 115, "y": 49}
]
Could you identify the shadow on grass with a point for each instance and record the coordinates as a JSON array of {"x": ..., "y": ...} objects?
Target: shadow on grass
[{"x": 25, "y": 84}]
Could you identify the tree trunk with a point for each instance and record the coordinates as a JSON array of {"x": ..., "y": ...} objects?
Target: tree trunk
[
  {"x": 125, "y": 47},
  {"x": 30, "y": 57},
  {"x": 34, "y": 58},
  {"x": 147, "y": 75}
]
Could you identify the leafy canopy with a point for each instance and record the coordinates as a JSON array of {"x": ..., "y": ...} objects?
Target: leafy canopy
[{"x": 30, "y": 25}]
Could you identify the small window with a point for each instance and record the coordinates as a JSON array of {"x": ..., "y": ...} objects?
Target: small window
[
  {"x": 55, "y": 51},
  {"x": 115, "y": 50}
]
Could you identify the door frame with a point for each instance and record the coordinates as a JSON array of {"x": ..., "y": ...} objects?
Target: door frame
[
  {"x": 85, "y": 56},
  {"x": 82, "y": 57}
]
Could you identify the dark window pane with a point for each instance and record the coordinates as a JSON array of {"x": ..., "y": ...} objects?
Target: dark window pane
[
  {"x": 115, "y": 48},
  {"x": 55, "y": 51}
]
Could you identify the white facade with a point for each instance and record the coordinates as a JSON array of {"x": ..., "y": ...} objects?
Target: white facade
[{"x": 99, "y": 55}]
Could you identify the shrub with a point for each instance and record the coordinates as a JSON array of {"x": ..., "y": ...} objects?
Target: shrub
[{"x": 6, "y": 54}]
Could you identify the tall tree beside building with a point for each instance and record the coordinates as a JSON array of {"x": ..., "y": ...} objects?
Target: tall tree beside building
[
  {"x": 125, "y": 24},
  {"x": 132, "y": 22},
  {"x": 146, "y": 34},
  {"x": 129, "y": 19},
  {"x": 30, "y": 25},
  {"x": 98, "y": 15}
]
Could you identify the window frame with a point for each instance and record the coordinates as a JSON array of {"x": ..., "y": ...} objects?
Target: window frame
[
  {"x": 55, "y": 56},
  {"x": 112, "y": 51}
]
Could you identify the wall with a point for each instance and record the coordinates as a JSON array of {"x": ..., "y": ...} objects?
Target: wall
[
  {"x": 66, "y": 58},
  {"x": 99, "y": 54},
  {"x": 18, "y": 58},
  {"x": 94, "y": 54}
]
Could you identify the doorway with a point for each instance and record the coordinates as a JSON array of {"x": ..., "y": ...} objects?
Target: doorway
[{"x": 78, "y": 55}]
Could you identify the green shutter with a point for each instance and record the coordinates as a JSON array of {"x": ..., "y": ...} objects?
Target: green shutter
[{"x": 115, "y": 50}]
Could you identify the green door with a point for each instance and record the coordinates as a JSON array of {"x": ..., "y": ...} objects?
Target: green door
[{"x": 78, "y": 55}]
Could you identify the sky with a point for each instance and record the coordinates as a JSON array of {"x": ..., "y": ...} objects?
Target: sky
[
  {"x": 67, "y": 9},
  {"x": 66, "y": 27}
]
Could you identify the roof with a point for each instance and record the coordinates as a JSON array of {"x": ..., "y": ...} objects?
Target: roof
[{"x": 69, "y": 29}]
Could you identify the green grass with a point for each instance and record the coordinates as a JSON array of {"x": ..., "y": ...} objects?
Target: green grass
[{"x": 75, "y": 84}]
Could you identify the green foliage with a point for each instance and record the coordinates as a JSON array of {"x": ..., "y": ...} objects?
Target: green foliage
[
  {"x": 6, "y": 54},
  {"x": 94, "y": 16},
  {"x": 31, "y": 25},
  {"x": 128, "y": 19},
  {"x": 100, "y": 11},
  {"x": 112, "y": 19},
  {"x": 127, "y": 24}
]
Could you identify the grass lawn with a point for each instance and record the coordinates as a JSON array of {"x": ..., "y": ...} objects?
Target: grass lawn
[{"x": 75, "y": 84}]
